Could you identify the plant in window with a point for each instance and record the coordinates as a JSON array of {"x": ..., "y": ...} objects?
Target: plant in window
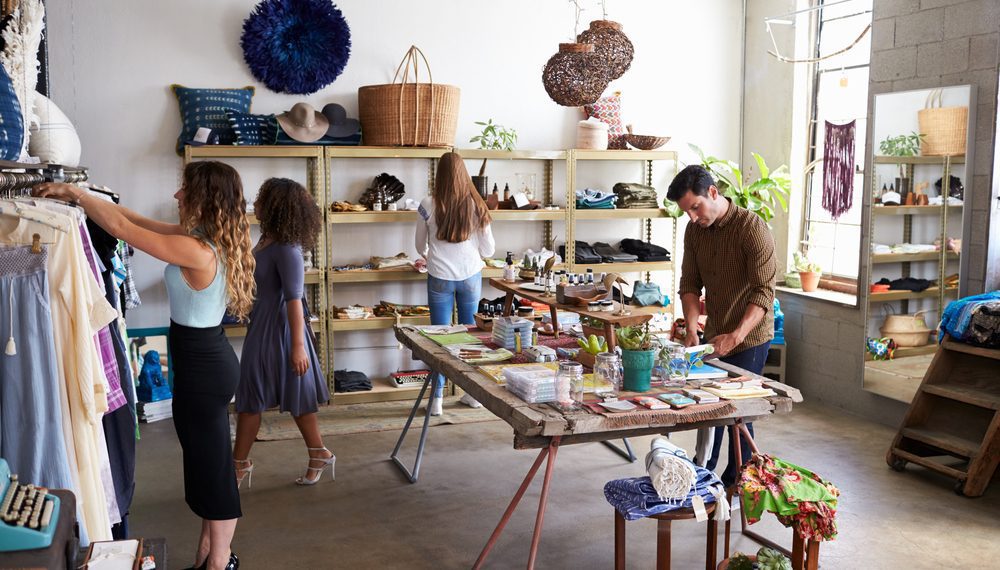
[
  {"x": 809, "y": 272},
  {"x": 761, "y": 195}
]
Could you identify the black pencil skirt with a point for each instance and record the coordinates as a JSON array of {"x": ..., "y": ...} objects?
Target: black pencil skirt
[{"x": 206, "y": 372}]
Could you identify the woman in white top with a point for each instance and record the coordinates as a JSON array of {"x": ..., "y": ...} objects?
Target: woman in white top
[{"x": 454, "y": 236}]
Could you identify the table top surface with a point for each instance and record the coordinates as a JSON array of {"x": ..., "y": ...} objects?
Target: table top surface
[
  {"x": 638, "y": 315},
  {"x": 535, "y": 424}
]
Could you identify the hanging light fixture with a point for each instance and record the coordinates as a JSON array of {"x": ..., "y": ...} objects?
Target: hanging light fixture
[
  {"x": 575, "y": 76},
  {"x": 611, "y": 45}
]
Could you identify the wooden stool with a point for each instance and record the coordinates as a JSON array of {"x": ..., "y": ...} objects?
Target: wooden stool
[{"x": 663, "y": 521}]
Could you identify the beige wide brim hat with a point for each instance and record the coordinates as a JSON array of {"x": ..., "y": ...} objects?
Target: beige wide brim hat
[{"x": 303, "y": 123}]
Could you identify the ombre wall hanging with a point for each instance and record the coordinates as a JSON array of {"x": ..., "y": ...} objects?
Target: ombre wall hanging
[{"x": 838, "y": 168}]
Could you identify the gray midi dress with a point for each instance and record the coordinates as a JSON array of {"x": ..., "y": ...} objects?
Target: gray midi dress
[{"x": 267, "y": 379}]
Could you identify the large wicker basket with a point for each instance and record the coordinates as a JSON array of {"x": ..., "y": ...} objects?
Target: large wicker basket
[
  {"x": 945, "y": 129},
  {"x": 406, "y": 113}
]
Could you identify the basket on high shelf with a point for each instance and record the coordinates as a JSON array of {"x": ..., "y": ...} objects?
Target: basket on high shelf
[
  {"x": 409, "y": 113},
  {"x": 945, "y": 129}
]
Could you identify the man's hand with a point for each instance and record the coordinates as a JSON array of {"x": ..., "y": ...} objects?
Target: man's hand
[
  {"x": 725, "y": 343},
  {"x": 300, "y": 360},
  {"x": 691, "y": 339}
]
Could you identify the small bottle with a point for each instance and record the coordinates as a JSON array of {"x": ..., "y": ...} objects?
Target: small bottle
[
  {"x": 377, "y": 204},
  {"x": 508, "y": 270},
  {"x": 590, "y": 276},
  {"x": 506, "y": 192},
  {"x": 493, "y": 200}
]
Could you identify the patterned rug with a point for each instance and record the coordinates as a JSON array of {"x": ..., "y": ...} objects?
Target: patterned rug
[{"x": 362, "y": 418}]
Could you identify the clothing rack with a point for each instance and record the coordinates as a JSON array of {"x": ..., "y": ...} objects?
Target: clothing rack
[{"x": 18, "y": 179}]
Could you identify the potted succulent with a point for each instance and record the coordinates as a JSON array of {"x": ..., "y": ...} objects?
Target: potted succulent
[
  {"x": 809, "y": 272},
  {"x": 638, "y": 357},
  {"x": 901, "y": 146},
  {"x": 589, "y": 349},
  {"x": 492, "y": 137},
  {"x": 761, "y": 196}
]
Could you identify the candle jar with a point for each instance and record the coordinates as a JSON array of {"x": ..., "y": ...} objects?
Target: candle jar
[
  {"x": 569, "y": 386},
  {"x": 607, "y": 375},
  {"x": 526, "y": 183}
]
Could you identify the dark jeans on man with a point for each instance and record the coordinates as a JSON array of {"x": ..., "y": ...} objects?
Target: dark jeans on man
[{"x": 751, "y": 359}]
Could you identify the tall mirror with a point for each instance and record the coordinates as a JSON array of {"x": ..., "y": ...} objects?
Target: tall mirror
[{"x": 921, "y": 145}]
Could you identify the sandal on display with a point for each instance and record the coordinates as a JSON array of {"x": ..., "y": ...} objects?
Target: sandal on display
[
  {"x": 324, "y": 461},
  {"x": 244, "y": 469}
]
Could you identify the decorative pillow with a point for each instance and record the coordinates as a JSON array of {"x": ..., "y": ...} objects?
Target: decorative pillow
[
  {"x": 207, "y": 108},
  {"x": 11, "y": 120},
  {"x": 53, "y": 139},
  {"x": 608, "y": 110},
  {"x": 253, "y": 129}
]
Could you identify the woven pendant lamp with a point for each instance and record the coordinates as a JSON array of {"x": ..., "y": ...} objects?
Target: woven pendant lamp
[
  {"x": 575, "y": 76},
  {"x": 611, "y": 44}
]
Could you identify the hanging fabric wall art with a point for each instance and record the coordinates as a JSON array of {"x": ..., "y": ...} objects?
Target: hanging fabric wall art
[
  {"x": 838, "y": 168},
  {"x": 296, "y": 46}
]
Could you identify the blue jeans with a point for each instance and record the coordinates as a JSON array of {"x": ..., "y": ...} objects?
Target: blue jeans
[
  {"x": 751, "y": 359},
  {"x": 442, "y": 297}
]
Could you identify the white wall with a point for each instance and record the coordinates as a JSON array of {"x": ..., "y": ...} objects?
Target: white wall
[{"x": 112, "y": 64}]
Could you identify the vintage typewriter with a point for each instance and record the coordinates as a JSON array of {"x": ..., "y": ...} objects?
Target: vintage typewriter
[
  {"x": 408, "y": 378},
  {"x": 28, "y": 512}
]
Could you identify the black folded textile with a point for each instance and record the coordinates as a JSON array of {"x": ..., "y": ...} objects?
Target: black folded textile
[
  {"x": 907, "y": 284},
  {"x": 610, "y": 255},
  {"x": 350, "y": 381},
  {"x": 584, "y": 253},
  {"x": 645, "y": 250}
]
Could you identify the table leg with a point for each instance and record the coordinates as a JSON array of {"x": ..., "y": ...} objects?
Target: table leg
[
  {"x": 620, "y": 541},
  {"x": 555, "y": 320},
  {"x": 609, "y": 336},
  {"x": 663, "y": 544},
  {"x": 627, "y": 453},
  {"x": 711, "y": 542},
  {"x": 517, "y": 498},
  {"x": 798, "y": 552},
  {"x": 508, "y": 304},
  {"x": 812, "y": 554},
  {"x": 412, "y": 476},
  {"x": 543, "y": 501}
]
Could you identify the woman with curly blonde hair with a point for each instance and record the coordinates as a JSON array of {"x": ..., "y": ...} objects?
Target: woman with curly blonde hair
[
  {"x": 279, "y": 366},
  {"x": 210, "y": 268}
]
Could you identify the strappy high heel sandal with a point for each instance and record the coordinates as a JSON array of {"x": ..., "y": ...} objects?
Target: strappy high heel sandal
[
  {"x": 244, "y": 469},
  {"x": 331, "y": 461}
]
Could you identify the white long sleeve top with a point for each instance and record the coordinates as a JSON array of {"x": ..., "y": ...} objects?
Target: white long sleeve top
[{"x": 451, "y": 261}]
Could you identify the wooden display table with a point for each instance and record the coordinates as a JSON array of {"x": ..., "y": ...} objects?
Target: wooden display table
[
  {"x": 541, "y": 426},
  {"x": 636, "y": 316}
]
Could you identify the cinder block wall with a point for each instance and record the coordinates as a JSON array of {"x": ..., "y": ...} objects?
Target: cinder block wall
[{"x": 916, "y": 44}]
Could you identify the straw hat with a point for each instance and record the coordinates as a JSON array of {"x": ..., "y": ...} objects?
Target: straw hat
[{"x": 303, "y": 123}]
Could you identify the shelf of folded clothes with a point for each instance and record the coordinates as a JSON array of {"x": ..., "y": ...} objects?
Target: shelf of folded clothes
[
  {"x": 891, "y": 295},
  {"x": 956, "y": 159},
  {"x": 620, "y": 213},
  {"x": 625, "y": 155},
  {"x": 907, "y": 257},
  {"x": 382, "y": 391},
  {"x": 633, "y": 266},
  {"x": 255, "y": 151},
  {"x": 374, "y": 323},
  {"x": 909, "y": 210},
  {"x": 313, "y": 277}
]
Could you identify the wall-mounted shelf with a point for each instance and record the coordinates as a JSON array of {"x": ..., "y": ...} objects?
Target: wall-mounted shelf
[
  {"x": 635, "y": 267},
  {"x": 478, "y": 154},
  {"x": 386, "y": 276},
  {"x": 370, "y": 217},
  {"x": 374, "y": 323},
  {"x": 383, "y": 152},
  {"x": 528, "y": 215},
  {"x": 911, "y": 210},
  {"x": 932, "y": 160},
  {"x": 621, "y": 214},
  {"x": 382, "y": 391},
  {"x": 624, "y": 155},
  {"x": 880, "y": 258},
  {"x": 929, "y": 293},
  {"x": 262, "y": 151}
]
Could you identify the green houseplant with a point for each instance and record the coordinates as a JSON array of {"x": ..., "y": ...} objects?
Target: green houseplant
[
  {"x": 638, "y": 356},
  {"x": 493, "y": 137},
  {"x": 809, "y": 272},
  {"x": 761, "y": 195},
  {"x": 901, "y": 146}
]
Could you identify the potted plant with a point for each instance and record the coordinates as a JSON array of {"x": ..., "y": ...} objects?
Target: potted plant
[
  {"x": 591, "y": 326},
  {"x": 901, "y": 146},
  {"x": 638, "y": 357},
  {"x": 761, "y": 195},
  {"x": 492, "y": 137},
  {"x": 590, "y": 348},
  {"x": 809, "y": 272}
]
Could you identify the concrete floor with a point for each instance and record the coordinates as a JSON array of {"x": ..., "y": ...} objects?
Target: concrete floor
[{"x": 371, "y": 518}]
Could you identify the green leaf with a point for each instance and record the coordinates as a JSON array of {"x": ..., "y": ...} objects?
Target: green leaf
[
  {"x": 761, "y": 165},
  {"x": 672, "y": 209}
]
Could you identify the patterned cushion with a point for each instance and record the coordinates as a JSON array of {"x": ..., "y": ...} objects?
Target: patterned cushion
[
  {"x": 11, "y": 120},
  {"x": 253, "y": 129},
  {"x": 608, "y": 110},
  {"x": 207, "y": 108}
]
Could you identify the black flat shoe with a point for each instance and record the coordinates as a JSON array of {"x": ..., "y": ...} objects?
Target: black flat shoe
[{"x": 234, "y": 562}]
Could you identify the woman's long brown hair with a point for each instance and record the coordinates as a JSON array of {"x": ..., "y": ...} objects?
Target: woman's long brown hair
[
  {"x": 459, "y": 210},
  {"x": 215, "y": 212}
]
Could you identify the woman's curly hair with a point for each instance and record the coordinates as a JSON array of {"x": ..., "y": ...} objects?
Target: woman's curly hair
[
  {"x": 215, "y": 212},
  {"x": 287, "y": 213}
]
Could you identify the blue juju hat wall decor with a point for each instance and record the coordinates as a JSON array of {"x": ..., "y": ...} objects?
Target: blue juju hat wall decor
[{"x": 296, "y": 46}]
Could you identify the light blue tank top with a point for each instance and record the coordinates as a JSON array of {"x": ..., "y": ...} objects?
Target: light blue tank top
[{"x": 197, "y": 309}]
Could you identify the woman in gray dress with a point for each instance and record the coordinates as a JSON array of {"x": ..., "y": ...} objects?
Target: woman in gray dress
[{"x": 279, "y": 366}]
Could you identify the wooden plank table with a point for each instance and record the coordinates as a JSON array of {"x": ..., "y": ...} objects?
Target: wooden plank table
[
  {"x": 636, "y": 316},
  {"x": 540, "y": 426}
]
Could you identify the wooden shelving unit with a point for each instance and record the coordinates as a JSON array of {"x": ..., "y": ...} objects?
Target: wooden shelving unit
[
  {"x": 929, "y": 293},
  {"x": 374, "y": 323},
  {"x": 881, "y": 258}
]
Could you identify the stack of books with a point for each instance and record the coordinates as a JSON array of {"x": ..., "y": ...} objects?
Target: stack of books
[{"x": 155, "y": 411}]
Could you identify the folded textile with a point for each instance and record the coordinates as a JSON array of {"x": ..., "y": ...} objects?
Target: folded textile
[
  {"x": 350, "y": 381},
  {"x": 398, "y": 260},
  {"x": 740, "y": 393},
  {"x": 735, "y": 384},
  {"x": 645, "y": 250},
  {"x": 906, "y": 284},
  {"x": 584, "y": 253},
  {"x": 671, "y": 472},
  {"x": 635, "y": 497},
  {"x": 957, "y": 316},
  {"x": 589, "y": 198},
  {"x": 799, "y": 497},
  {"x": 633, "y": 195},
  {"x": 609, "y": 255}
]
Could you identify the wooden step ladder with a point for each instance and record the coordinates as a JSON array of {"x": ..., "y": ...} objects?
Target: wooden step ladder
[{"x": 954, "y": 414}]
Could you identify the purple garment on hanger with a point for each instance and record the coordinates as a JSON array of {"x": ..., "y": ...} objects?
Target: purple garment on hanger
[
  {"x": 105, "y": 345},
  {"x": 838, "y": 168}
]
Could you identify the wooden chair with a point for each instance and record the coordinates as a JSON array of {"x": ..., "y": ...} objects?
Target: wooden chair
[{"x": 663, "y": 522}]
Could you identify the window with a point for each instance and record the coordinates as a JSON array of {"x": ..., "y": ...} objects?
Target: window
[{"x": 839, "y": 96}]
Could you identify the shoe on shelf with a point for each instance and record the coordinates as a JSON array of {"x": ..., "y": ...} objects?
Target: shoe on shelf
[
  {"x": 436, "y": 406},
  {"x": 244, "y": 469},
  {"x": 470, "y": 401},
  {"x": 316, "y": 467}
]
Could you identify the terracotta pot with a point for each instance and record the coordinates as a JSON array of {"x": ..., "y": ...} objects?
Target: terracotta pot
[
  {"x": 724, "y": 565},
  {"x": 586, "y": 359},
  {"x": 810, "y": 280}
]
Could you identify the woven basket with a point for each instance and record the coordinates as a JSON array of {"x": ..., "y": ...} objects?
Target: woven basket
[
  {"x": 945, "y": 129},
  {"x": 408, "y": 113}
]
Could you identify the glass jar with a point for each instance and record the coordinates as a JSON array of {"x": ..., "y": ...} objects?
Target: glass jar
[
  {"x": 569, "y": 385},
  {"x": 607, "y": 375},
  {"x": 526, "y": 184},
  {"x": 678, "y": 365}
]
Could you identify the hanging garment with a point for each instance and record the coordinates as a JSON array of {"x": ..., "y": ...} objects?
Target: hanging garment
[
  {"x": 31, "y": 436},
  {"x": 838, "y": 168},
  {"x": 799, "y": 497},
  {"x": 119, "y": 426}
]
